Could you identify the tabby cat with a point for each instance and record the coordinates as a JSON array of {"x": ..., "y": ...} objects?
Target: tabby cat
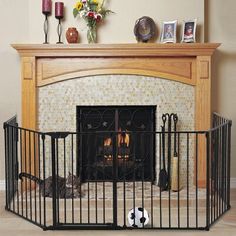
[{"x": 67, "y": 187}]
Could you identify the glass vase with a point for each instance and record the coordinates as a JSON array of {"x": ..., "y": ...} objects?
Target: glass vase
[{"x": 92, "y": 33}]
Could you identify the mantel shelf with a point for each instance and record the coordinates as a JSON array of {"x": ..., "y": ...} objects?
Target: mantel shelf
[{"x": 116, "y": 50}]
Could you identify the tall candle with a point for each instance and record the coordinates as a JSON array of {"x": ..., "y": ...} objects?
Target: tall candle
[
  {"x": 59, "y": 10},
  {"x": 46, "y": 6}
]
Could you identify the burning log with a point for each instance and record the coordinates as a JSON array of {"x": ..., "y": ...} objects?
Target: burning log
[{"x": 123, "y": 146}]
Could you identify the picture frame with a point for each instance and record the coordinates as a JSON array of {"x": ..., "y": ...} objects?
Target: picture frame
[
  {"x": 145, "y": 29},
  {"x": 189, "y": 31},
  {"x": 168, "y": 34}
]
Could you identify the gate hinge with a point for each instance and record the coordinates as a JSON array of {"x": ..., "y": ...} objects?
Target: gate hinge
[{"x": 4, "y": 125}]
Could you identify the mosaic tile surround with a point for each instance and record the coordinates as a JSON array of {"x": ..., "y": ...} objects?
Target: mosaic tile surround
[{"x": 57, "y": 104}]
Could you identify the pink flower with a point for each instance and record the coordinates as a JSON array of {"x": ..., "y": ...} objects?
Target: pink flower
[
  {"x": 84, "y": 1},
  {"x": 98, "y": 17}
]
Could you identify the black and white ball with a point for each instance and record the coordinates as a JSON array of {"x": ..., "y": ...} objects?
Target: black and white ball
[{"x": 138, "y": 217}]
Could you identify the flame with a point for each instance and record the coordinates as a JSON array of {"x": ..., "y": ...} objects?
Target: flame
[
  {"x": 109, "y": 157},
  {"x": 123, "y": 139},
  {"x": 107, "y": 142}
]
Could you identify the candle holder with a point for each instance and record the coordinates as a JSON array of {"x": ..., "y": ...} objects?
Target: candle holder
[
  {"x": 59, "y": 13},
  {"x": 45, "y": 28},
  {"x": 59, "y": 30},
  {"x": 46, "y": 10}
]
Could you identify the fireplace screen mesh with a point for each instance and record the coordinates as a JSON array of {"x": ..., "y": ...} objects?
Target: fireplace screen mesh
[{"x": 98, "y": 149}]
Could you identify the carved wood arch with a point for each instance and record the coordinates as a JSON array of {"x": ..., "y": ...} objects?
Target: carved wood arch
[{"x": 56, "y": 70}]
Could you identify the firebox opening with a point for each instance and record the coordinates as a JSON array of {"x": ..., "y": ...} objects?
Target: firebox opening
[{"x": 121, "y": 132}]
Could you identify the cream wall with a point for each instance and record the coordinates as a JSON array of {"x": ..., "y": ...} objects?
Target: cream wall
[
  {"x": 222, "y": 28},
  {"x": 118, "y": 27},
  {"x": 22, "y": 21},
  {"x": 14, "y": 28}
]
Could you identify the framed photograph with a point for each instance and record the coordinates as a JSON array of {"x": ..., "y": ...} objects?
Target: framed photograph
[
  {"x": 168, "y": 34},
  {"x": 189, "y": 31},
  {"x": 144, "y": 29}
]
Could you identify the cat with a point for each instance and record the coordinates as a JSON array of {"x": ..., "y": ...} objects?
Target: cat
[{"x": 67, "y": 187}]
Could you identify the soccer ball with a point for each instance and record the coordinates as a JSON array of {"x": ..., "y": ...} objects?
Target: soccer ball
[{"x": 138, "y": 217}]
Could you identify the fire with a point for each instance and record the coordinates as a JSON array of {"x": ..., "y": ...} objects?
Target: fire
[
  {"x": 107, "y": 142},
  {"x": 123, "y": 143},
  {"x": 123, "y": 139}
]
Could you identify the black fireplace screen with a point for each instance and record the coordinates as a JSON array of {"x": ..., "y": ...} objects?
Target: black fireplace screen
[{"x": 131, "y": 149}]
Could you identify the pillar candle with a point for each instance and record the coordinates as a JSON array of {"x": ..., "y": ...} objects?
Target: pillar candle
[
  {"x": 59, "y": 10},
  {"x": 46, "y": 6}
]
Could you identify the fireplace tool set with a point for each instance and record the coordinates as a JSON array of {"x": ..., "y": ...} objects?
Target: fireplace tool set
[{"x": 169, "y": 179}]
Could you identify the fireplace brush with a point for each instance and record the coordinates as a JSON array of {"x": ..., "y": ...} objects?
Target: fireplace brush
[{"x": 175, "y": 175}]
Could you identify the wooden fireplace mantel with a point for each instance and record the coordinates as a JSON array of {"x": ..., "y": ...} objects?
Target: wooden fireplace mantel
[
  {"x": 187, "y": 63},
  {"x": 116, "y": 50}
]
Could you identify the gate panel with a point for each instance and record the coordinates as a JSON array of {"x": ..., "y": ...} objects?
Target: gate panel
[
  {"x": 11, "y": 162},
  {"x": 77, "y": 203}
]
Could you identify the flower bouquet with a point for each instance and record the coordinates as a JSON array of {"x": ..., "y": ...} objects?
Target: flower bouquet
[{"x": 93, "y": 12}]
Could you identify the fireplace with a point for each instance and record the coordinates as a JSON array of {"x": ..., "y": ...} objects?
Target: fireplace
[
  {"x": 48, "y": 69},
  {"x": 123, "y": 133}
]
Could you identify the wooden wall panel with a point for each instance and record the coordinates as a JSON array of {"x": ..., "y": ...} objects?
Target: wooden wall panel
[
  {"x": 29, "y": 119},
  {"x": 29, "y": 97},
  {"x": 203, "y": 112},
  {"x": 59, "y": 69}
]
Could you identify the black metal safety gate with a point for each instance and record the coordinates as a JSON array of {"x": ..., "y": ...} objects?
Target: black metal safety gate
[
  {"x": 12, "y": 163},
  {"x": 43, "y": 185},
  {"x": 73, "y": 223}
]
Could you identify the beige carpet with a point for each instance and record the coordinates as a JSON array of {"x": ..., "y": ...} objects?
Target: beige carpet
[
  {"x": 11, "y": 224},
  {"x": 96, "y": 206}
]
